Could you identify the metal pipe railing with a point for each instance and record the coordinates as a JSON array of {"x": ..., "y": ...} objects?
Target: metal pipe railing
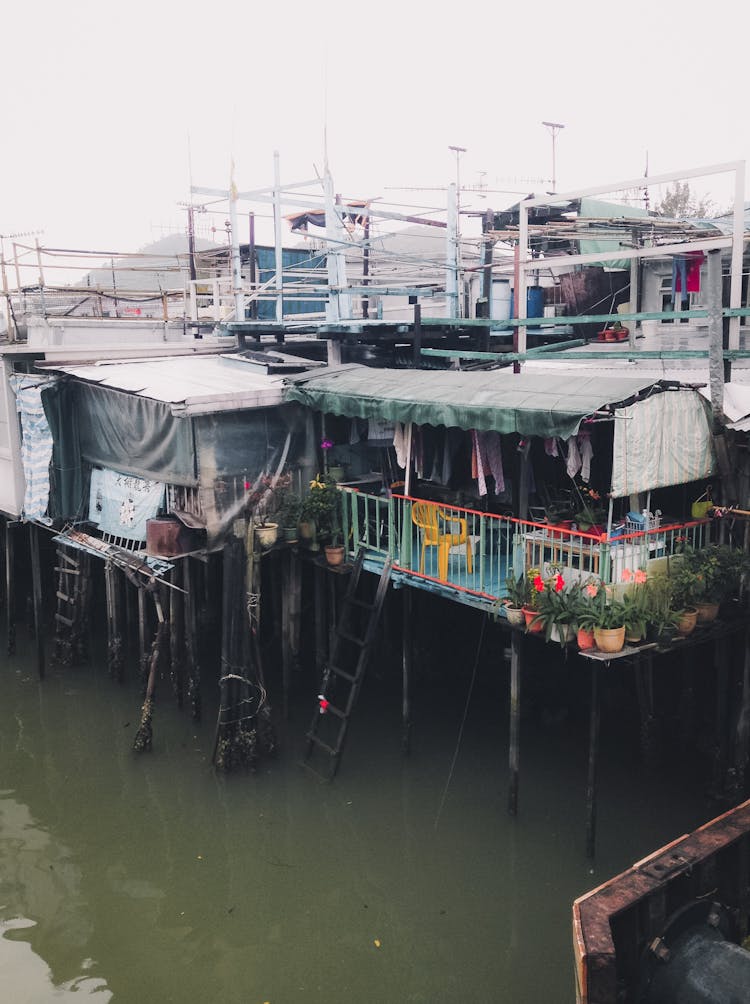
[{"x": 475, "y": 552}]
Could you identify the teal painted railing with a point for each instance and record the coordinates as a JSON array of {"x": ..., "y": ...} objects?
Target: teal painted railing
[{"x": 473, "y": 551}]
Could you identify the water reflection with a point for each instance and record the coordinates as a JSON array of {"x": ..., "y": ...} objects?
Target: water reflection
[
  {"x": 152, "y": 879},
  {"x": 39, "y": 878}
]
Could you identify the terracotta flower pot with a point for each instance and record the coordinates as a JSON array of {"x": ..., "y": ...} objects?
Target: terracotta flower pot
[
  {"x": 609, "y": 640},
  {"x": 687, "y": 621},
  {"x": 585, "y": 639},
  {"x": 707, "y": 612},
  {"x": 533, "y": 628},
  {"x": 334, "y": 554}
]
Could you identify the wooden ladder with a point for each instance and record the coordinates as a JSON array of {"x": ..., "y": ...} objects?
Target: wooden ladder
[
  {"x": 72, "y": 595},
  {"x": 353, "y": 642}
]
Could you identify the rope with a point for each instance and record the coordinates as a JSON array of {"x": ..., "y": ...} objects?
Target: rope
[{"x": 463, "y": 723}]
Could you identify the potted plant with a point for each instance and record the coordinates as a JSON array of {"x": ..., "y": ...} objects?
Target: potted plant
[
  {"x": 263, "y": 503},
  {"x": 290, "y": 509},
  {"x": 616, "y": 332},
  {"x": 635, "y": 604},
  {"x": 662, "y": 615},
  {"x": 535, "y": 587},
  {"x": 605, "y": 616},
  {"x": 719, "y": 572},
  {"x": 516, "y": 595},
  {"x": 557, "y": 609},
  {"x": 322, "y": 507},
  {"x": 590, "y": 515}
]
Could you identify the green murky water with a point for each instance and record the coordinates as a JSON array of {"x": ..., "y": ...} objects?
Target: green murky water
[{"x": 139, "y": 879}]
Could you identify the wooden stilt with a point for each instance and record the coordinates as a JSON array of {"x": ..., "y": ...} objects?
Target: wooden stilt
[
  {"x": 144, "y": 644},
  {"x": 742, "y": 730},
  {"x": 191, "y": 640},
  {"x": 515, "y": 720},
  {"x": 407, "y": 652},
  {"x": 644, "y": 679},
  {"x": 721, "y": 734},
  {"x": 321, "y": 634},
  {"x": 36, "y": 588},
  {"x": 10, "y": 587},
  {"x": 176, "y": 635},
  {"x": 286, "y": 641},
  {"x": 594, "y": 719},
  {"x": 114, "y": 626}
]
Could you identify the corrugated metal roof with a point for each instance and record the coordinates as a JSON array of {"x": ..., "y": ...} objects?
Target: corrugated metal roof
[
  {"x": 193, "y": 386},
  {"x": 527, "y": 403}
]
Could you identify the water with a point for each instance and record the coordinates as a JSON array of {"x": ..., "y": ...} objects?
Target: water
[{"x": 150, "y": 879}]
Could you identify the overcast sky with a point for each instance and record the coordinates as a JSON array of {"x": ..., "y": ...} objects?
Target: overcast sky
[{"x": 99, "y": 100}]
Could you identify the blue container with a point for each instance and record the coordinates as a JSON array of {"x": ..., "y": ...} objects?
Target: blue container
[{"x": 534, "y": 302}]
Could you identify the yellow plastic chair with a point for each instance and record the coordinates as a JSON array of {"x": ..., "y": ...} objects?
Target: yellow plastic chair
[{"x": 433, "y": 522}]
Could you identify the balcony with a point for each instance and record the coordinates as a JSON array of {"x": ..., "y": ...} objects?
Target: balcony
[{"x": 457, "y": 550}]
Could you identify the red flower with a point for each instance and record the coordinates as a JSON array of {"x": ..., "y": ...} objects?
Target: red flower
[
  {"x": 559, "y": 583},
  {"x": 538, "y": 584}
]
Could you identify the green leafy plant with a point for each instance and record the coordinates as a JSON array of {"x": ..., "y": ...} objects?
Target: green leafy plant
[
  {"x": 719, "y": 570},
  {"x": 516, "y": 589},
  {"x": 322, "y": 506},
  {"x": 660, "y": 609},
  {"x": 557, "y": 606},
  {"x": 599, "y": 608}
]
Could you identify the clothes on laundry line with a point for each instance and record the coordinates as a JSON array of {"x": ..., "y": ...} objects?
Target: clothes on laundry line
[
  {"x": 478, "y": 462},
  {"x": 573, "y": 462},
  {"x": 491, "y": 450},
  {"x": 400, "y": 443},
  {"x": 586, "y": 451},
  {"x": 550, "y": 447}
]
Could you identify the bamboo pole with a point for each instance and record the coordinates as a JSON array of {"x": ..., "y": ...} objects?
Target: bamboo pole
[{"x": 515, "y": 721}]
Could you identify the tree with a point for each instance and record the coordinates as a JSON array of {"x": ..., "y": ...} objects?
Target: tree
[{"x": 680, "y": 202}]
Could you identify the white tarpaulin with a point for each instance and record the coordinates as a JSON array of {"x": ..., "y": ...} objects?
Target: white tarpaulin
[
  {"x": 36, "y": 444},
  {"x": 664, "y": 440}
]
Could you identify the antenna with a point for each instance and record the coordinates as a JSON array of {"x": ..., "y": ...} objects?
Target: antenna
[{"x": 554, "y": 128}]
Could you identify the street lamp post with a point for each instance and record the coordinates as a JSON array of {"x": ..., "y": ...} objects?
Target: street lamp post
[{"x": 554, "y": 128}]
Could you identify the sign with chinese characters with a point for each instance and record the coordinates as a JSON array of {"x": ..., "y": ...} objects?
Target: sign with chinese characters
[{"x": 120, "y": 504}]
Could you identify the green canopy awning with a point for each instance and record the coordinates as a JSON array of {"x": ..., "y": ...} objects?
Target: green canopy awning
[{"x": 531, "y": 404}]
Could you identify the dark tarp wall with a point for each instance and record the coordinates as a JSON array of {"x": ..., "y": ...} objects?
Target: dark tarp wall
[
  {"x": 238, "y": 446},
  {"x": 135, "y": 435},
  {"x": 68, "y": 483}
]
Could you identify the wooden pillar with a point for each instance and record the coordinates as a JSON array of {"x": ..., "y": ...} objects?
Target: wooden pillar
[
  {"x": 144, "y": 644},
  {"x": 515, "y": 720},
  {"x": 36, "y": 588},
  {"x": 114, "y": 627},
  {"x": 644, "y": 678},
  {"x": 321, "y": 636},
  {"x": 286, "y": 619},
  {"x": 176, "y": 635},
  {"x": 191, "y": 640},
  {"x": 407, "y": 651},
  {"x": 10, "y": 586},
  {"x": 742, "y": 730},
  {"x": 594, "y": 721}
]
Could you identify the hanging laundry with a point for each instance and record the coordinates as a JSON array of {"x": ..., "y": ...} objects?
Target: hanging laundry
[
  {"x": 679, "y": 279},
  {"x": 586, "y": 451},
  {"x": 480, "y": 462},
  {"x": 695, "y": 261},
  {"x": 550, "y": 447},
  {"x": 400, "y": 444},
  {"x": 417, "y": 450},
  {"x": 573, "y": 463},
  {"x": 491, "y": 446},
  {"x": 454, "y": 438}
]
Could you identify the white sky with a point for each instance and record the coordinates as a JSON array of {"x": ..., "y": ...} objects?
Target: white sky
[{"x": 99, "y": 100}]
